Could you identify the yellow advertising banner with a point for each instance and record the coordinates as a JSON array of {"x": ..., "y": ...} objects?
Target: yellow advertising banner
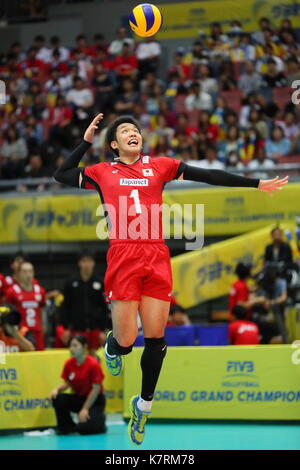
[
  {"x": 225, "y": 382},
  {"x": 75, "y": 217},
  {"x": 185, "y": 19},
  {"x": 205, "y": 274},
  {"x": 26, "y": 380}
]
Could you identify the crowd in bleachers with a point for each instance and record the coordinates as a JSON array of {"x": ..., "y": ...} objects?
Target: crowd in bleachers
[{"x": 226, "y": 101}]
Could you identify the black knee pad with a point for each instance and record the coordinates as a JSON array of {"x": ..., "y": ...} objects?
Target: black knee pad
[
  {"x": 114, "y": 348},
  {"x": 155, "y": 349}
]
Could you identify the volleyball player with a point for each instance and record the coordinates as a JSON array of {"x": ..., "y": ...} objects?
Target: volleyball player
[{"x": 138, "y": 276}]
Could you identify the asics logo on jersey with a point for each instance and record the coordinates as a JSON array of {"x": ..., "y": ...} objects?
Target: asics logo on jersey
[
  {"x": 147, "y": 172},
  {"x": 115, "y": 171},
  {"x": 133, "y": 182}
]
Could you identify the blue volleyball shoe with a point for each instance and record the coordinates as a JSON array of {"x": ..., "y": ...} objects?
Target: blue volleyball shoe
[
  {"x": 136, "y": 425},
  {"x": 115, "y": 363}
]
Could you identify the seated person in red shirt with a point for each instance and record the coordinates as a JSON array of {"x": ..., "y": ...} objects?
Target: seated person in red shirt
[
  {"x": 14, "y": 338},
  {"x": 242, "y": 331},
  {"x": 84, "y": 375},
  {"x": 240, "y": 293},
  {"x": 126, "y": 64}
]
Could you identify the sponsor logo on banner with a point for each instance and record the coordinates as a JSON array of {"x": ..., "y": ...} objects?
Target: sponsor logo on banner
[{"x": 133, "y": 182}]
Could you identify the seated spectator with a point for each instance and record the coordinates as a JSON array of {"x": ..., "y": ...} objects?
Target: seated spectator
[
  {"x": 99, "y": 44},
  {"x": 229, "y": 144},
  {"x": 290, "y": 128},
  {"x": 198, "y": 55},
  {"x": 257, "y": 122},
  {"x": 14, "y": 337},
  {"x": 259, "y": 163},
  {"x": 83, "y": 374},
  {"x": 293, "y": 70},
  {"x": 247, "y": 47},
  {"x": 126, "y": 100},
  {"x": 161, "y": 130},
  {"x": 35, "y": 169},
  {"x": 249, "y": 143},
  {"x": 273, "y": 78},
  {"x": 277, "y": 145},
  {"x": 250, "y": 81},
  {"x": 60, "y": 118},
  {"x": 286, "y": 27},
  {"x": 198, "y": 99},
  {"x": 210, "y": 162},
  {"x": 160, "y": 147},
  {"x": 125, "y": 64},
  {"x": 104, "y": 88},
  {"x": 226, "y": 79},
  {"x": 16, "y": 49},
  {"x": 278, "y": 250},
  {"x": 82, "y": 100},
  {"x": 207, "y": 83},
  {"x": 148, "y": 53},
  {"x": 31, "y": 65},
  {"x": 85, "y": 67},
  {"x": 242, "y": 331},
  {"x": 149, "y": 82},
  {"x": 179, "y": 67},
  {"x": 116, "y": 46},
  {"x": 56, "y": 63},
  {"x": 43, "y": 52},
  {"x": 265, "y": 63},
  {"x": 63, "y": 51},
  {"x": 14, "y": 152},
  {"x": 177, "y": 316},
  {"x": 210, "y": 129},
  {"x": 258, "y": 36},
  {"x": 10, "y": 68},
  {"x": 216, "y": 33}
]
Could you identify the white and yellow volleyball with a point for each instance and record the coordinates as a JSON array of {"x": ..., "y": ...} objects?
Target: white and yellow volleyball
[{"x": 145, "y": 20}]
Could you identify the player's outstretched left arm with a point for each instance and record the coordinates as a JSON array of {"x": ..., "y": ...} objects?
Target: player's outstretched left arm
[{"x": 223, "y": 178}]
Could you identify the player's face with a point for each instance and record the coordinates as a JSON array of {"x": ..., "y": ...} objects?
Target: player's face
[
  {"x": 26, "y": 273},
  {"x": 86, "y": 265},
  {"x": 128, "y": 140},
  {"x": 76, "y": 348},
  {"x": 16, "y": 264}
]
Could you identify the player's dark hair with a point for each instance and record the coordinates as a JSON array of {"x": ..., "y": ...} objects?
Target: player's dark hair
[
  {"x": 112, "y": 129},
  {"x": 19, "y": 254},
  {"x": 239, "y": 312},
  {"x": 80, "y": 338},
  {"x": 243, "y": 271}
]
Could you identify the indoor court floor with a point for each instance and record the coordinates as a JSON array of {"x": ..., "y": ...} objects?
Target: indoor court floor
[{"x": 177, "y": 436}]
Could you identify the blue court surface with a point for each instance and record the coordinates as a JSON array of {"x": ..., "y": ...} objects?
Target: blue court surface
[{"x": 177, "y": 436}]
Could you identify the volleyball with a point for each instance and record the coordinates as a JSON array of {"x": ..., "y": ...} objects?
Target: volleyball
[{"x": 145, "y": 20}]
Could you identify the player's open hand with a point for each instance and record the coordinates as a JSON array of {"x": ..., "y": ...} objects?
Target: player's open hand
[
  {"x": 276, "y": 184},
  {"x": 89, "y": 133}
]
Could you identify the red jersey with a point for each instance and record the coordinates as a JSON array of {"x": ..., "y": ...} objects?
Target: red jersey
[
  {"x": 243, "y": 332},
  {"x": 239, "y": 293},
  {"x": 132, "y": 195},
  {"x": 125, "y": 65},
  {"x": 28, "y": 304},
  {"x": 3, "y": 287},
  {"x": 11, "y": 281},
  {"x": 82, "y": 377}
]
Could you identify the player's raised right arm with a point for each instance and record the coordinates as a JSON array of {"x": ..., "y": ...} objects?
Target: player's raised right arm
[{"x": 69, "y": 173}]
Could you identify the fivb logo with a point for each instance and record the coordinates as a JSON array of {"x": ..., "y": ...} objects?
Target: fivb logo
[
  {"x": 2, "y": 92},
  {"x": 2, "y": 353}
]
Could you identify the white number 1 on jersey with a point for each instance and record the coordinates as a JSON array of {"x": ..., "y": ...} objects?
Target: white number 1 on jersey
[{"x": 135, "y": 194}]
